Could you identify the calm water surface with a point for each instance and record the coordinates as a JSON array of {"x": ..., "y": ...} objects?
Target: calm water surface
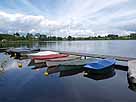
[
  {"x": 27, "y": 85},
  {"x": 110, "y": 47}
]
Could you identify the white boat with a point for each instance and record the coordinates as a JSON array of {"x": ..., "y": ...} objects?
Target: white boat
[
  {"x": 57, "y": 61},
  {"x": 132, "y": 71},
  {"x": 42, "y": 53}
]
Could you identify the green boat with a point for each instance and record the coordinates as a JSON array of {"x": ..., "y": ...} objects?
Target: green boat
[{"x": 74, "y": 64}]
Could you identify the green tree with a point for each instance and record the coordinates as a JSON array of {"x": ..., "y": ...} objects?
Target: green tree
[
  {"x": 29, "y": 36},
  {"x": 133, "y": 36},
  {"x": 112, "y": 36},
  {"x": 43, "y": 38},
  {"x": 69, "y": 37}
]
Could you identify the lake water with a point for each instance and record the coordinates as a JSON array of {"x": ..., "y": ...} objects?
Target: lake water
[
  {"x": 27, "y": 85},
  {"x": 108, "y": 47}
]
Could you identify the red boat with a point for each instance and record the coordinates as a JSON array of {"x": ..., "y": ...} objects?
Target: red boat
[{"x": 52, "y": 56}]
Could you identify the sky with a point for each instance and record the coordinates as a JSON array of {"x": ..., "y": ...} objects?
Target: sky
[{"x": 68, "y": 17}]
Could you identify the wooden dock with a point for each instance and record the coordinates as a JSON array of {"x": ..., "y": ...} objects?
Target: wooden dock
[
  {"x": 3, "y": 49},
  {"x": 119, "y": 58}
]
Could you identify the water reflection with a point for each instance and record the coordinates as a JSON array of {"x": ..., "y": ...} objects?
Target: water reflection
[
  {"x": 23, "y": 85},
  {"x": 19, "y": 44},
  {"x": 70, "y": 72},
  {"x": 4, "y": 61},
  {"x": 132, "y": 86},
  {"x": 52, "y": 70},
  {"x": 108, "y": 47},
  {"x": 99, "y": 76},
  {"x": 131, "y": 83},
  {"x": 87, "y": 73}
]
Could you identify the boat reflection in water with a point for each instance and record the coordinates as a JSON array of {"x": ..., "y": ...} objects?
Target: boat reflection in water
[
  {"x": 53, "y": 69},
  {"x": 131, "y": 83},
  {"x": 87, "y": 73},
  {"x": 101, "y": 76},
  {"x": 70, "y": 72}
]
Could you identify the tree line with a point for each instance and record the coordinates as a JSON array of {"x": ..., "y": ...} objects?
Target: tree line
[{"x": 44, "y": 37}]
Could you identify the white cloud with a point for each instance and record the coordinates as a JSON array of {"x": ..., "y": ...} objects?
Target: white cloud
[
  {"x": 75, "y": 17},
  {"x": 26, "y": 23}
]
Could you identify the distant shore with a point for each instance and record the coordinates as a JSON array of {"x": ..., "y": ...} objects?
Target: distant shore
[
  {"x": 33, "y": 41},
  {"x": 4, "y": 38}
]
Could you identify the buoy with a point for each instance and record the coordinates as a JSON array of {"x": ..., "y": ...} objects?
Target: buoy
[
  {"x": 85, "y": 73},
  {"x": 20, "y": 65},
  {"x": 15, "y": 55},
  {"x": 46, "y": 73}
]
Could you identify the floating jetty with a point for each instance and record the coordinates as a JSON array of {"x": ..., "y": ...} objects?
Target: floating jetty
[
  {"x": 118, "y": 58},
  {"x": 83, "y": 55},
  {"x": 3, "y": 49}
]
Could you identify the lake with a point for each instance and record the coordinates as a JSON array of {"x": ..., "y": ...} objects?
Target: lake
[
  {"x": 27, "y": 85},
  {"x": 108, "y": 47}
]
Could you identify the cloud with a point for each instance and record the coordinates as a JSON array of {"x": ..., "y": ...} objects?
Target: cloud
[
  {"x": 26, "y": 23},
  {"x": 72, "y": 17}
]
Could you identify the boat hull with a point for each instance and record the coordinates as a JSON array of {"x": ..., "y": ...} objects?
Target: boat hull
[
  {"x": 101, "y": 71},
  {"x": 59, "y": 61},
  {"x": 17, "y": 53},
  {"x": 101, "y": 66},
  {"x": 75, "y": 64},
  {"x": 52, "y": 56},
  {"x": 99, "y": 76}
]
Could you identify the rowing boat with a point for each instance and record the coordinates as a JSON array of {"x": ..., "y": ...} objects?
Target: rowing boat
[
  {"x": 101, "y": 66},
  {"x": 53, "y": 59},
  {"x": 69, "y": 65},
  {"x": 75, "y": 64},
  {"x": 51, "y": 56},
  {"x": 58, "y": 61},
  {"x": 21, "y": 52},
  {"x": 42, "y": 53}
]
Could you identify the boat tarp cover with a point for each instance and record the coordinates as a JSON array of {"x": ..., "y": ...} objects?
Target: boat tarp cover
[{"x": 100, "y": 64}]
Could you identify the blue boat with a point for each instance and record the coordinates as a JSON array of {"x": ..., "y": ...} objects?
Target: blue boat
[{"x": 101, "y": 65}]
